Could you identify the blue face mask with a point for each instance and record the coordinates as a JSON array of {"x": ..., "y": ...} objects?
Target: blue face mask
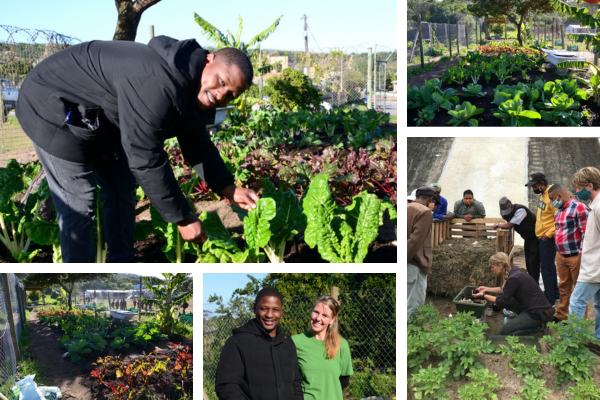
[
  {"x": 584, "y": 194},
  {"x": 557, "y": 203}
]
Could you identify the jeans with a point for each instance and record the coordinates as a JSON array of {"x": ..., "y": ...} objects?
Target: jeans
[
  {"x": 584, "y": 291},
  {"x": 73, "y": 188},
  {"x": 416, "y": 288},
  {"x": 532, "y": 258},
  {"x": 547, "y": 254}
]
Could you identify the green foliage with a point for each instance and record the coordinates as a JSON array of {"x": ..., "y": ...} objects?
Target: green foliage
[
  {"x": 168, "y": 297},
  {"x": 482, "y": 386},
  {"x": 220, "y": 246},
  {"x": 418, "y": 339},
  {"x": 429, "y": 383},
  {"x": 292, "y": 90},
  {"x": 462, "y": 114},
  {"x": 455, "y": 74},
  {"x": 593, "y": 83},
  {"x": 473, "y": 89},
  {"x": 341, "y": 234},
  {"x": 562, "y": 109},
  {"x": 585, "y": 389},
  {"x": 511, "y": 113},
  {"x": 569, "y": 355},
  {"x": 34, "y": 296},
  {"x": 535, "y": 389},
  {"x": 525, "y": 360}
]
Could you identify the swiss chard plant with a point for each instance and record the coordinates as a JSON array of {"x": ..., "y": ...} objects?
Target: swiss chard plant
[
  {"x": 221, "y": 246},
  {"x": 455, "y": 75},
  {"x": 15, "y": 179},
  {"x": 309, "y": 139},
  {"x": 341, "y": 234},
  {"x": 502, "y": 72},
  {"x": 462, "y": 114}
]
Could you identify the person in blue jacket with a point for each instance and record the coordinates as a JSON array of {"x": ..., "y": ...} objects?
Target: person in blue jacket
[{"x": 441, "y": 210}]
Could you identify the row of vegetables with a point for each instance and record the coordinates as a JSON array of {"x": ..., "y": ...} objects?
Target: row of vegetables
[
  {"x": 517, "y": 105},
  {"x": 332, "y": 198}
]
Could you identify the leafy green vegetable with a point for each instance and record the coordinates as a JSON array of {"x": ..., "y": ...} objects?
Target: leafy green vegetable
[
  {"x": 462, "y": 114},
  {"x": 562, "y": 109},
  {"x": 511, "y": 113},
  {"x": 473, "y": 89}
]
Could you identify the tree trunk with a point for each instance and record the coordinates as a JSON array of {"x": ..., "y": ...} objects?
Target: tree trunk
[{"x": 130, "y": 13}]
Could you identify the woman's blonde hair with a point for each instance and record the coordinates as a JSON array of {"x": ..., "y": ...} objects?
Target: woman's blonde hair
[
  {"x": 503, "y": 260},
  {"x": 333, "y": 339},
  {"x": 585, "y": 176}
]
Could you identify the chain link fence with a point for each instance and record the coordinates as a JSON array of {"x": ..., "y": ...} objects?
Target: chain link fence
[
  {"x": 367, "y": 320},
  {"x": 8, "y": 362},
  {"x": 20, "y": 51}
]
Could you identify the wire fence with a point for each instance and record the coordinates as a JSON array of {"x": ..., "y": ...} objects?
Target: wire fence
[
  {"x": 367, "y": 321},
  {"x": 20, "y": 50},
  {"x": 8, "y": 360}
]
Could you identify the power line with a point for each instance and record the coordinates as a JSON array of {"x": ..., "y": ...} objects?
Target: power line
[{"x": 311, "y": 34}]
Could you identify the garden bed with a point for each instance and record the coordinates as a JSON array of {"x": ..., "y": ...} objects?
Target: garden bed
[{"x": 74, "y": 379}]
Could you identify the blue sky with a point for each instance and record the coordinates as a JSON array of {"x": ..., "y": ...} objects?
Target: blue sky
[
  {"x": 343, "y": 24},
  {"x": 225, "y": 284}
]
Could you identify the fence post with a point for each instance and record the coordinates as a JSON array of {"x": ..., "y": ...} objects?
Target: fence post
[
  {"x": 420, "y": 42},
  {"x": 260, "y": 77},
  {"x": 333, "y": 292},
  {"x": 23, "y": 302},
  {"x": 457, "y": 39},
  {"x": 562, "y": 36},
  {"x": 430, "y": 38},
  {"x": 449, "y": 38},
  {"x": 477, "y": 38},
  {"x": 467, "y": 34},
  {"x": 553, "y": 44},
  {"x": 370, "y": 75},
  {"x": 9, "y": 316}
]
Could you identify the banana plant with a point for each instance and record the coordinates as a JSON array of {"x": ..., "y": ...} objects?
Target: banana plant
[{"x": 168, "y": 296}]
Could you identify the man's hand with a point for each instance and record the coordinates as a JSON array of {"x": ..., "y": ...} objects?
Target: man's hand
[
  {"x": 448, "y": 216},
  {"x": 243, "y": 198},
  {"x": 544, "y": 237},
  {"x": 191, "y": 229},
  {"x": 468, "y": 217}
]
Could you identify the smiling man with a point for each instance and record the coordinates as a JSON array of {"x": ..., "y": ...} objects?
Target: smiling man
[
  {"x": 98, "y": 114},
  {"x": 259, "y": 361}
]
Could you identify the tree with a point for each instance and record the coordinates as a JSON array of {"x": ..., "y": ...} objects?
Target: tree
[
  {"x": 169, "y": 297},
  {"x": 516, "y": 11},
  {"x": 34, "y": 296},
  {"x": 130, "y": 14},
  {"x": 65, "y": 281}
]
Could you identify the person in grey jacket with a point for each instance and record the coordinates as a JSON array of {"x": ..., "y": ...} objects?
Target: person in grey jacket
[
  {"x": 98, "y": 113},
  {"x": 468, "y": 208}
]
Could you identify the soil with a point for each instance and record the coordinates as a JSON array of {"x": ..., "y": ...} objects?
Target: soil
[
  {"x": 487, "y": 118},
  {"x": 74, "y": 379}
]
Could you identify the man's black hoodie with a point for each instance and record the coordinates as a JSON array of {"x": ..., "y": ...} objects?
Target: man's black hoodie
[
  {"x": 120, "y": 93},
  {"x": 256, "y": 366}
]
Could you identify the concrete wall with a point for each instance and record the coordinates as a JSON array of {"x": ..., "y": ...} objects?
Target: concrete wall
[{"x": 426, "y": 157}]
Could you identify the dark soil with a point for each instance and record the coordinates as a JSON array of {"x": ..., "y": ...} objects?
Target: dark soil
[
  {"x": 74, "y": 379},
  {"x": 487, "y": 118}
]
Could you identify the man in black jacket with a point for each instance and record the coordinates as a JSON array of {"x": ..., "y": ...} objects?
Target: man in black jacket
[
  {"x": 259, "y": 362},
  {"x": 523, "y": 220},
  {"x": 99, "y": 112}
]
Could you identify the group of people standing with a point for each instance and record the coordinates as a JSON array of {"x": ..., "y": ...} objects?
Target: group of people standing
[
  {"x": 561, "y": 241},
  {"x": 260, "y": 362}
]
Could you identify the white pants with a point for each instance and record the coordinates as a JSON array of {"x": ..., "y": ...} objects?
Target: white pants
[{"x": 416, "y": 287}]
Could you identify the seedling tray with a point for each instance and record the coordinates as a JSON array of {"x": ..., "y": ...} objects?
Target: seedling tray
[
  {"x": 476, "y": 309},
  {"x": 526, "y": 340}
]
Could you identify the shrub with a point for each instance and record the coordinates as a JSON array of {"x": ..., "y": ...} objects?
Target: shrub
[
  {"x": 34, "y": 296},
  {"x": 291, "y": 91}
]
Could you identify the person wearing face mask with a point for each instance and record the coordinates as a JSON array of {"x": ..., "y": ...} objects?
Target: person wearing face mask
[
  {"x": 570, "y": 221},
  {"x": 587, "y": 186},
  {"x": 544, "y": 230},
  {"x": 522, "y": 220},
  {"x": 440, "y": 212},
  {"x": 468, "y": 208},
  {"x": 323, "y": 354},
  {"x": 419, "y": 252},
  {"x": 259, "y": 361}
]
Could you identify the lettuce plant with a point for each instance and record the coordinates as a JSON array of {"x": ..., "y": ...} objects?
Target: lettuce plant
[
  {"x": 473, "y": 89},
  {"x": 341, "y": 234},
  {"x": 462, "y": 113}
]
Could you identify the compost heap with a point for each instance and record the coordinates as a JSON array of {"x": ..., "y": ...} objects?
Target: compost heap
[{"x": 461, "y": 262}]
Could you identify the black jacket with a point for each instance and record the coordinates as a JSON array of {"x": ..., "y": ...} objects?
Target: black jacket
[
  {"x": 527, "y": 227},
  {"x": 120, "y": 93},
  {"x": 255, "y": 366}
]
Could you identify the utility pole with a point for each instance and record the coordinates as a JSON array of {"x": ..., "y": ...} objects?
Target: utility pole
[
  {"x": 305, "y": 44},
  {"x": 370, "y": 77}
]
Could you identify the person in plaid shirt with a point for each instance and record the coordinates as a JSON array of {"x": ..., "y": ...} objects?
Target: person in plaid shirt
[{"x": 570, "y": 221}]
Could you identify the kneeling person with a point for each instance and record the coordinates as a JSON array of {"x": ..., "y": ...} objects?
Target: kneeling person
[{"x": 520, "y": 293}]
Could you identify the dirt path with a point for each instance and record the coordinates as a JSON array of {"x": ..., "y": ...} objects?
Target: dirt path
[
  {"x": 70, "y": 377},
  {"x": 435, "y": 72}
]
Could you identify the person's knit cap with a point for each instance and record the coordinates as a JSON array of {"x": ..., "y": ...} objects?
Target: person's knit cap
[
  {"x": 535, "y": 178},
  {"x": 505, "y": 206}
]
